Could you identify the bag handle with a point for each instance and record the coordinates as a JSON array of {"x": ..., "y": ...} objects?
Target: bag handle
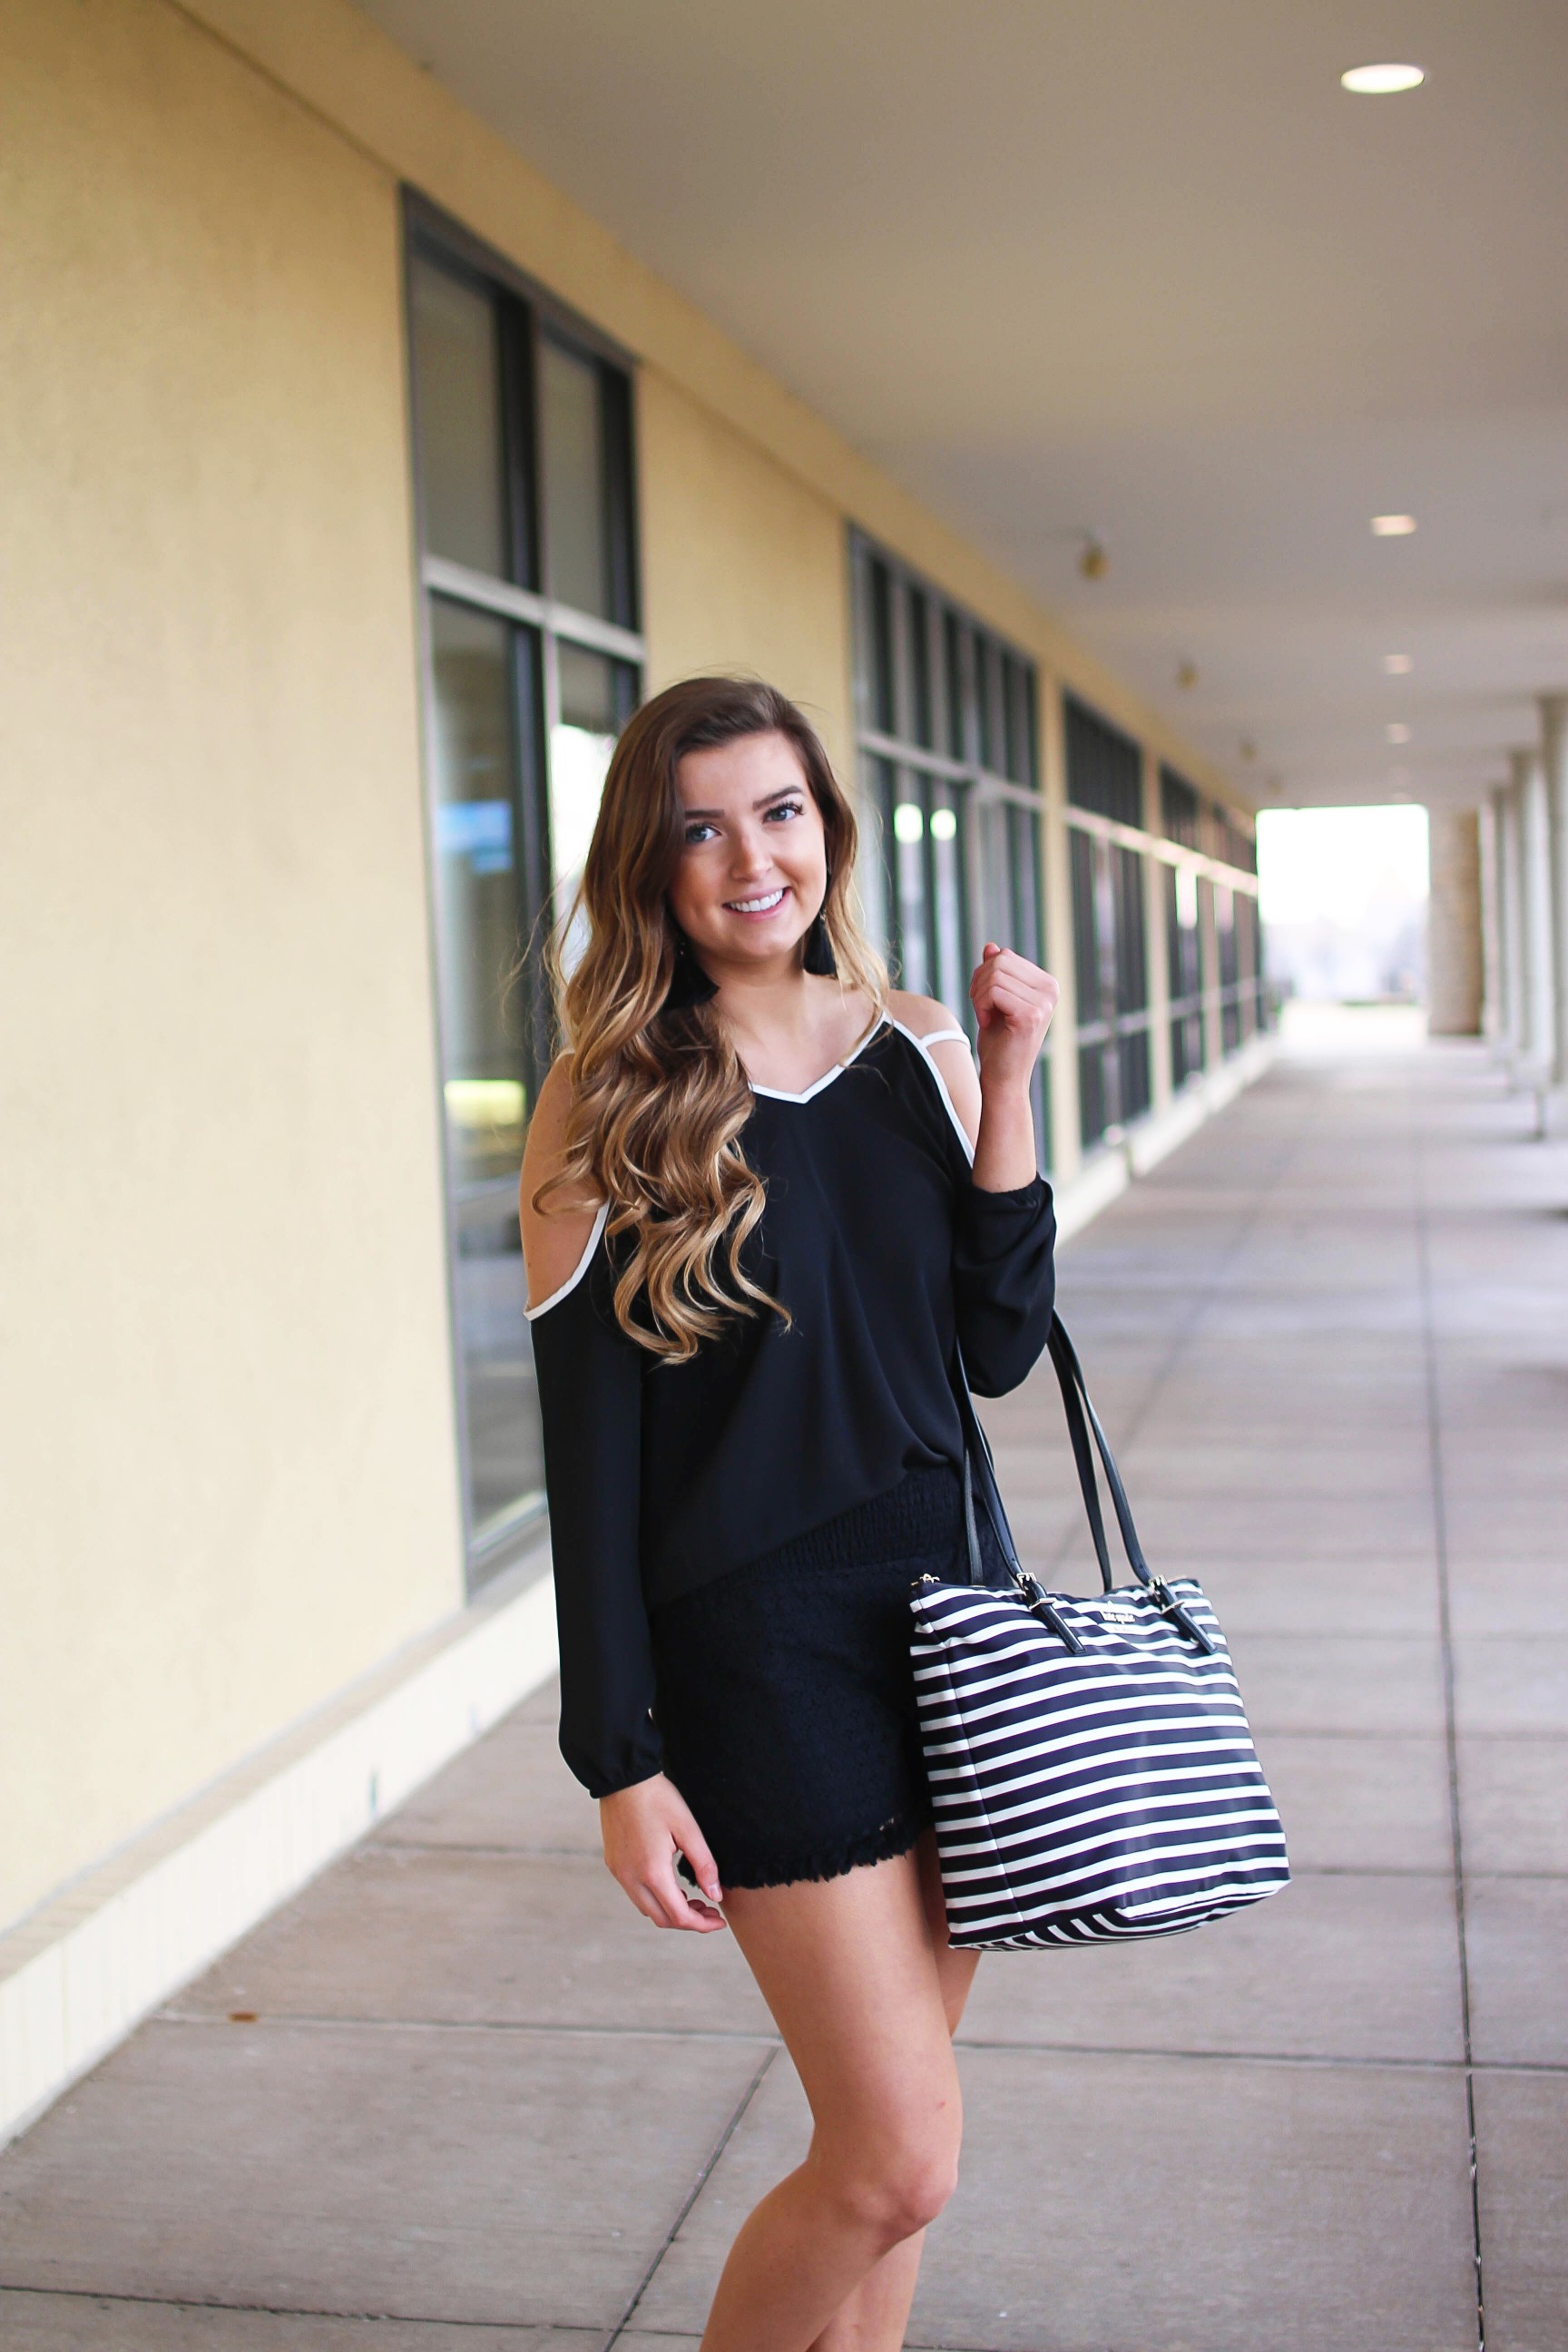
[
  {"x": 1083, "y": 1424},
  {"x": 1081, "y": 1419}
]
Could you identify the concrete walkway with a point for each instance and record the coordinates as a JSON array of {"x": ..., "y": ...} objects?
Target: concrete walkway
[{"x": 460, "y": 2083}]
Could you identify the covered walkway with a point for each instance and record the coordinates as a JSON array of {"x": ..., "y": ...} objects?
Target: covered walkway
[{"x": 458, "y": 2096}]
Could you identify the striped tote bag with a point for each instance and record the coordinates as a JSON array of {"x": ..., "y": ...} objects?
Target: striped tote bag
[{"x": 1091, "y": 1771}]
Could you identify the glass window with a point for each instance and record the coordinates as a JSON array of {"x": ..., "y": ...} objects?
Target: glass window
[
  {"x": 572, "y": 435},
  {"x": 522, "y": 720},
  {"x": 957, "y": 695},
  {"x": 457, "y": 416},
  {"x": 909, "y": 838},
  {"x": 1104, "y": 767},
  {"x": 985, "y": 732},
  {"x": 946, "y": 891},
  {"x": 874, "y": 867},
  {"x": 595, "y": 695},
  {"x": 483, "y": 1060},
  {"x": 958, "y": 812},
  {"x": 476, "y": 873},
  {"x": 1184, "y": 967},
  {"x": 919, "y": 667},
  {"x": 884, "y": 717}
]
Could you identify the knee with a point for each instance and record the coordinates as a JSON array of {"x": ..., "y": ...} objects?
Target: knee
[{"x": 904, "y": 2188}]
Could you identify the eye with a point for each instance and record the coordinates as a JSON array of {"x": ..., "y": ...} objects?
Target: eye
[
  {"x": 700, "y": 831},
  {"x": 784, "y": 809}
]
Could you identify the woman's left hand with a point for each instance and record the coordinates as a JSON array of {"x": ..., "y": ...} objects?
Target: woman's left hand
[{"x": 1013, "y": 1001}]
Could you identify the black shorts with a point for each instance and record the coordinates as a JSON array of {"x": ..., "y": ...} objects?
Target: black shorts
[{"x": 784, "y": 1693}]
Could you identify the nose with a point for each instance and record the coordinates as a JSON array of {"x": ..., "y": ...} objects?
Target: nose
[{"x": 752, "y": 856}]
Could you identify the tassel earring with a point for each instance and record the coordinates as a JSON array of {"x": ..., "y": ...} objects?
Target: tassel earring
[
  {"x": 819, "y": 957},
  {"x": 689, "y": 983}
]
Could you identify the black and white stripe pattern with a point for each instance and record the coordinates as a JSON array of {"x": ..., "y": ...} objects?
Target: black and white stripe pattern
[{"x": 1088, "y": 1794}]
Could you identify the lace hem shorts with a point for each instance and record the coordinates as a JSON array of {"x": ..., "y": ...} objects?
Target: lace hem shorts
[{"x": 784, "y": 1693}]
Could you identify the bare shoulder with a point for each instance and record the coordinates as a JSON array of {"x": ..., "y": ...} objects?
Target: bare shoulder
[
  {"x": 923, "y": 1014},
  {"x": 554, "y": 1236},
  {"x": 949, "y": 1049}
]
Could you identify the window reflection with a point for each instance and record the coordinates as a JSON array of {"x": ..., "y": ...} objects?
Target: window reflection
[
  {"x": 595, "y": 696},
  {"x": 476, "y": 767},
  {"x": 576, "y": 491},
  {"x": 949, "y": 927},
  {"x": 475, "y": 883},
  {"x": 456, "y": 374}
]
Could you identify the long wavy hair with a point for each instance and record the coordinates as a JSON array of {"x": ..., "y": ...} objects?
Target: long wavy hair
[{"x": 658, "y": 1096}]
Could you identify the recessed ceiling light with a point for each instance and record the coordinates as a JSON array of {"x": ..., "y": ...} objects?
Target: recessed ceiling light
[
  {"x": 1382, "y": 81},
  {"x": 1393, "y": 526},
  {"x": 1399, "y": 733},
  {"x": 1397, "y": 665}
]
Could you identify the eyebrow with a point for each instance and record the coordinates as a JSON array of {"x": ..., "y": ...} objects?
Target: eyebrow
[{"x": 767, "y": 801}]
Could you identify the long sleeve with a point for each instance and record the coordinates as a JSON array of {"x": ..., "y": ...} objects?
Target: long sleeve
[
  {"x": 1004, "y": 1282},
  {"x": 590, "y": 1396}
]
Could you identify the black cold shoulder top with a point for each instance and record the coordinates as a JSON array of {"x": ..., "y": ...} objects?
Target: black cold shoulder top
[{"x": 662, "y": 1476}]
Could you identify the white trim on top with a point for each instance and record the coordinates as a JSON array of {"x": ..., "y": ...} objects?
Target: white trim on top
[
  {"x": 938, "y": 1037},
  {"x": 777, "y": 1094},
  {"x": 578, "y": 1271}
]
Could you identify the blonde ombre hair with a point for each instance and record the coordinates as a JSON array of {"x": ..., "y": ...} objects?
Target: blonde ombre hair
[{"x": 658, "y": 1096}]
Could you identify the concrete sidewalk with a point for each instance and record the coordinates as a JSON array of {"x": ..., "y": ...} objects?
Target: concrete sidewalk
[{"x": 459, "y": 2095}]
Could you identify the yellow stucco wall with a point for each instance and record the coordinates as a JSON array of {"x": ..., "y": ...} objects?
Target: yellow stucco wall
[
  {"x": 744, "y": 566},
  {"x": 224, "y": 1372},
  {"x": 223, "y": 1358}
]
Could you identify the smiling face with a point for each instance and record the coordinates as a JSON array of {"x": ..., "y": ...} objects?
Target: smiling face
[{"x": 753, "y": 868}]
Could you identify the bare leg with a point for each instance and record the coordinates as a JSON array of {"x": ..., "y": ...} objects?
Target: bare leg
[
  {"x": 877, "y": 2314},
  {"x": 850, "y": 1968}
]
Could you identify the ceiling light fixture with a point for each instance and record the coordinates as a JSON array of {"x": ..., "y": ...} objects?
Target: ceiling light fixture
[
  {"x": 1094, "y": 562},
  {"x": 1381, "y": 81},
  {"x": 1393, "y": 526},
  {"x": 1398, "y": 664},
  {"x": 1186, "y": 674},
  {"x": 1399, "y": 733}
]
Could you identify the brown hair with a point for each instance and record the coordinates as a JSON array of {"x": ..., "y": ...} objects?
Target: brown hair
[{"x": 658, "y": 1097}]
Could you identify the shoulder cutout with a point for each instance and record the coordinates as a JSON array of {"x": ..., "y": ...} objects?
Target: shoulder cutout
[
  {"x": 923, "y": 1017},
  {"x": 944, "y": 1045},
  {"x": 559, "y": 1240}
]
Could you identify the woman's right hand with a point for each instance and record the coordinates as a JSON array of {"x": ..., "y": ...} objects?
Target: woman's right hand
[{"x": 644, "y": 1828}]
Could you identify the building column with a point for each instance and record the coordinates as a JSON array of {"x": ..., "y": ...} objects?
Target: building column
[
  {"x": 1454, "y": 925},
  {"x": 1532, "y": 1065},
  {"x": 1494, "y": 1011},
  {"x": 1510, "y": 924},
  {"x": 1555, "y": 786}
]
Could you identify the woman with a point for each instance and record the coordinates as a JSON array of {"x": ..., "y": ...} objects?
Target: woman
[{"x": 753, "y": 1233}]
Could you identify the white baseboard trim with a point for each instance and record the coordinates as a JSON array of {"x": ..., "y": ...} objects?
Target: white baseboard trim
[
  {"x": 1154, "y": 1137},
  {"x": 1099, "y": 1182},
  {"x": 76, "y": 1975}
]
